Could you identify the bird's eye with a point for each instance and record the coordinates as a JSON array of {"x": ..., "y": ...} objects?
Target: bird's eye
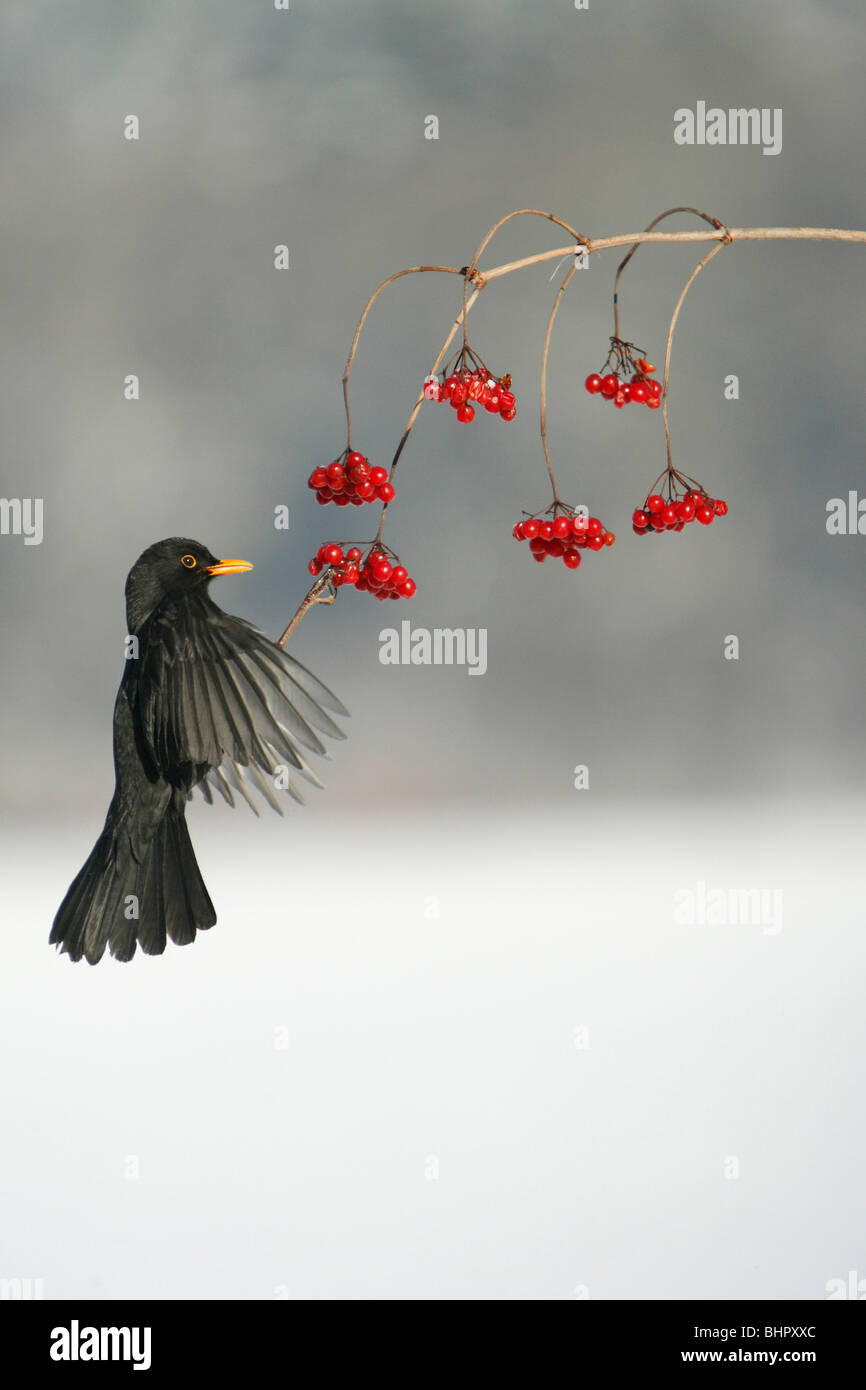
[{"x": 188, "y": 560}]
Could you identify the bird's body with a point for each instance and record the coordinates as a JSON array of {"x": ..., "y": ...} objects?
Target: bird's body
[{"x": 205, "y": 700}]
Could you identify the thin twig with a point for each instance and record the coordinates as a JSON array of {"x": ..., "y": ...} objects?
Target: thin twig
[
  {"x": 669, "y": 212},
  {"x": 316, "y": 594},
  {"x": 460, "y": 319},
  {"x": 686, "y": 287},
  {"x": 550, "y": 322},
  {"x": 672, "y": 238},
  {"x": 411, "y": 270}
]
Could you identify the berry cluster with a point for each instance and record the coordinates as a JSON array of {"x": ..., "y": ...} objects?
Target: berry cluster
[
  {"x": 563, "y": 535},
  {"x": 350, "y": 479},
  {"x": 640, "y": 389},
  {"x": 375, "y": 575},
  {"x": 656, "y": 514},
  {"x": 467, "y": 382},
  {"x": 611, "y": 382},
  {"x": 464, "y": 390}
]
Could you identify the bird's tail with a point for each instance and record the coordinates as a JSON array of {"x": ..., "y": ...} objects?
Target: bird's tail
[{"x": 120, "y": 898}]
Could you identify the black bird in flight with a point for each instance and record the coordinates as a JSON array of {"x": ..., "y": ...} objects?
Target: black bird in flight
[{"x": 206, "y": 700}]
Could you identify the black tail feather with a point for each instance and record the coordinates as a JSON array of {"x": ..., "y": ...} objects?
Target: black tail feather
[{"x": 118, "y": 900}]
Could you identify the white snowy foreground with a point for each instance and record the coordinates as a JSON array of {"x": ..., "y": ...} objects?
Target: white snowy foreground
[{"x": 464, "y": 1055}]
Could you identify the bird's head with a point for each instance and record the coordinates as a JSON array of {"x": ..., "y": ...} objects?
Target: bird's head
[{"x": 172, "y": 567}]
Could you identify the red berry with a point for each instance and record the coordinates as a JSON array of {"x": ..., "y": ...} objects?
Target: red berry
[
  {"x": 509, "y": 414},
  {"x": 318, "y": 477},
  {"x": 366, "y": 491},
  {"x": 571, "y": 559},
  {"x": 546, "y": 530},
  {"x": 655, "y": 389},
  {"x": 407, "y": 588},
  {"x": 609, "y": 538},
  {"x": 336, "y": 473},
  {"x": 609, "y": 386},
  {"x": 458, "y": 395},
  {"x": 491, "y": 401},
  {"x": 654, "y": 402},
  {"x": 399, "y": 575},
  {"x": 594, "y": 527},
  {"x": 315, "y": 567},
  {"x": 669, "y": 515},
  {"x": 466, "y": 414},
  {"x": 720, "y": 507},
  {"x": 333, "y": 554},
  {"x": 704, "y": 513},
  {"x": 593, "y": 383},
  {"x": 654, "y": 503},
  {"x": 640, "y": 519},
  {"x": 378, "y": 476},
  {"x": 530, "y": 528},
  {"x": 639, "y": 392},
  {"x": 353, "y": 459},
  {"x": 686, "y": 510},
  {"x": 595, "y": 542},
  {"x": 385, "y": 493},
  {"x": 579, "y": 524},
  {"x": 538, "y": 545},
  {"x": 561, "y": 527}
]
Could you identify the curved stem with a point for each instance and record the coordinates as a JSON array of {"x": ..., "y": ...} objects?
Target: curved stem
[
  {"x": 410, "y": 424},
  {"x": 411, "y": 270},
  {"x": 470, "y": 271},
  {"x": 686, "y": 287},
  {"x": 550, "y": 322},
  {"x": 713, "y": 221},
  {"x": 522, "y": 212}
]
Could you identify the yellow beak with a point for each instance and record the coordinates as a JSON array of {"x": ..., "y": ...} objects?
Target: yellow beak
[{"x": 229, "y": 567}]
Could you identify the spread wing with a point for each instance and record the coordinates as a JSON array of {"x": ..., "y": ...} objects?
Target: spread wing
[{"x": 217, "y": 704}]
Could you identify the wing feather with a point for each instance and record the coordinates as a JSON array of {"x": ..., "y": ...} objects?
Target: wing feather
[{"x": 220, "y": 706}]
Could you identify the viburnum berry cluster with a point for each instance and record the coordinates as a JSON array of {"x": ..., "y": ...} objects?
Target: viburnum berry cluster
[
  {"x": 350, "y": 480},
  {"x": 563, "y": 532},
  {"x": 681, "y": 501},
  {"x": 611, "y": 384},
  {"x": 380, "y": 573},
  {"x": 467, "y": 382}
]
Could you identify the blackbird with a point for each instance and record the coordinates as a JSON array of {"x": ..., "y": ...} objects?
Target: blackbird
[{"x": 206, "y": 700}]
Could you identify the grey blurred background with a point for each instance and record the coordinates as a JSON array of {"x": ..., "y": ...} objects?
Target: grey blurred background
[{"x": 413, "y": 1035}]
